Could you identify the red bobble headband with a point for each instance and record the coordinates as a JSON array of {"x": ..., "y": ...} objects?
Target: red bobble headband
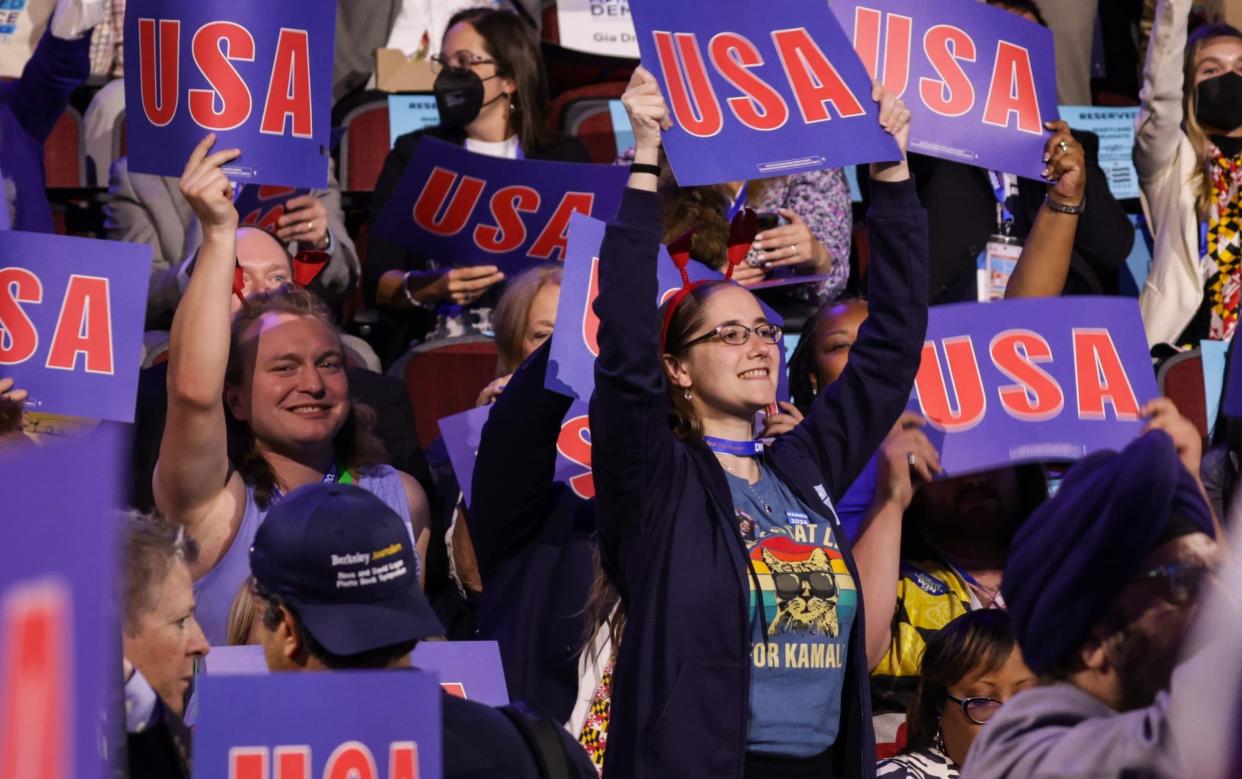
[{"x": 742, "y": 231}]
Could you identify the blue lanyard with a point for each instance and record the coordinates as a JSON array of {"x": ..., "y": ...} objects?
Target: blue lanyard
[
  {"x": 736, "y": 448},
  {"x": 739, "y": 202},
  {"x": 1001, "y": 190}
]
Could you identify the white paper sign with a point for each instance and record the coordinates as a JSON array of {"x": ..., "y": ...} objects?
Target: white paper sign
[{"x": 601, "y": 27}]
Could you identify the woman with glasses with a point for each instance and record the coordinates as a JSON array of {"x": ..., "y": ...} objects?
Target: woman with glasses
[
  {"x": 492, "y": 95},
  {"x": 970, "y": 668},
  {"x": 745, "y": 648}
]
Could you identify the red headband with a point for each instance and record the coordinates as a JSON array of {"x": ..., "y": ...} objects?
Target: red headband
[{"x": 741, "y": 235}]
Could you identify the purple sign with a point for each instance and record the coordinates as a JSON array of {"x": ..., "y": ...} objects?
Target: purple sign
[
  {"x": 758, "y": 89},
  {"x": 979, "y": 81},
  {"x": 71, "y": 317},
  {"x": 571, "y": 365},
  {"x": 471, "y": 209},
  {"x": 255, "y": 74},
  {"x": 1032, "y": 380},
  {"x": 360, "y": 724},
  {"x": 60, "y": 664},
  {"x": 262, "y": 206},
  {"x": 462, "y": 432},
  {"x": 467, "y": 669}
]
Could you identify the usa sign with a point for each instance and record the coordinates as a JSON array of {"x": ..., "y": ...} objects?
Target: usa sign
[
  {"x": 1033, "y": 379},
  {"x": 256, "y": 74},
  {"x": 571, "y": 365},
  {"x": 758, "y": 89},
  {"x": 462, "y": 433},
  {"x": 471, "y": 209},
  {"x": 979, "y": 81},
  {"x": 71, "y": 317},
  {"x": 59, "y": 648},
  {"x": 339, "y": 725},
  {"x": 262, "y": 206}
]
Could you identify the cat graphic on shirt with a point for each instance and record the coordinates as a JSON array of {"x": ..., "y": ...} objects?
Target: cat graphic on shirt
[{"x": 806, "y": 593}]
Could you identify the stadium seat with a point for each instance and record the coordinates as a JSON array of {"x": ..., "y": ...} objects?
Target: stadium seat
[
  {"x": 64, "y": 152},
  {"x": 359, "y": 354},
  {"x": 583, "y": 113},
  {"x": 444, "y": 378},
  {"x": 365, "y": 145},
  {"x": 1180, "y": 379}
]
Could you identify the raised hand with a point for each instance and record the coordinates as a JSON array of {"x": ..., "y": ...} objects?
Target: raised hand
[
  {"x": 207, "y": 189},
  {"x": 1065, "y": 165},
  {"x": 646, "y": 108},
  {"x": 894, "y": 118}
]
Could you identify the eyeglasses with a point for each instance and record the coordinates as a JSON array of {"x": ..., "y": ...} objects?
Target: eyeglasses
[
  {"x": 736, "y": 335},
  {"x": 458, "y": 60},
  {"x": 977, "y": 709},
  {"x": 1181, "y": 581}
]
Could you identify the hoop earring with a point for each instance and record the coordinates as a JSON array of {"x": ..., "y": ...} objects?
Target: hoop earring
[{"x": 688, "y": 395}]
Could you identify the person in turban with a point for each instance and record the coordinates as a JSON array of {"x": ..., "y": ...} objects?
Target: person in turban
[{"x": 1102, "y": 584}]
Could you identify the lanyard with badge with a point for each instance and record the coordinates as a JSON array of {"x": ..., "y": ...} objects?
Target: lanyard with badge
[
  {"x": 335, "y": 474},
  {"x": 999, "y": 258}
]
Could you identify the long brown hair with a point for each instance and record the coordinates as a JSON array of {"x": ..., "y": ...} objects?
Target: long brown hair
[
  {"x": 603, "y": 607},
  {"x": 512, "y": 43},
  {"x": 512, "y": 312},
  {"x": 976, "y": 642},
  {"x": 687, "y": 322},
  {"x": 356, "y": 448},
  {"x": 1201, "y": 182}
]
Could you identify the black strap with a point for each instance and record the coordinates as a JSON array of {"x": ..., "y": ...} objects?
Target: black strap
[{"x": 543, "y": 738}]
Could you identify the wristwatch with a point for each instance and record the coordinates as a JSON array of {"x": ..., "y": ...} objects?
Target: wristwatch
[{"x": 1061, "y": 208}]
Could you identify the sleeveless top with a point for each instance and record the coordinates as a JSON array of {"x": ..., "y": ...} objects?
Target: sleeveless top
[{"x": 215, "y": 591}]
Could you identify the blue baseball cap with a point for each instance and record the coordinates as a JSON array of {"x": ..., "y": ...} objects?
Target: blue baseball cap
[{"x": 346, "y": 563}]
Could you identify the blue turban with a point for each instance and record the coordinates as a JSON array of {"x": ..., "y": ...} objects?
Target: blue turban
[{"x": 1072, "y": 557}]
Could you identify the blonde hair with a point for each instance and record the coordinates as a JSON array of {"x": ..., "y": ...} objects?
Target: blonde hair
[
  {"x": 241, "y": 615},
  {"x": 513, "y": 310},
  {"x": 1200, "y": 181}
]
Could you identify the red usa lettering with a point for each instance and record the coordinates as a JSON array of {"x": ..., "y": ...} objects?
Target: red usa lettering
[
  {"x": 228, "y": 104},
  {"x": 1010, "y": 99},
  {"x": 83, "y": 332},
  {"x": 448, "y": 202},
  {"x": 350, "y": 760},
  {"x": 810, "y": 76},
  {"x": 574, "y": 444},
  {"x": 1100, "y": 379},
  {"x": 35, "y": 630}
]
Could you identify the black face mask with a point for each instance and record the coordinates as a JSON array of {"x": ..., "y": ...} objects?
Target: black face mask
[
  {"x": 1220, "y": 102},
  {"x": 459, "y": 96}
]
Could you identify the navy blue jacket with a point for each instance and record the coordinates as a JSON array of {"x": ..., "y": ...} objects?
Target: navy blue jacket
[
  {"x": 29, "y": 108},
  {"x": 532, "y": 540},
  {"x": 666, "y": 521}
]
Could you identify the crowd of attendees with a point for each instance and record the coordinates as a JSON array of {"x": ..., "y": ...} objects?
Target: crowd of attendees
[{"x": 824, "y": 603}]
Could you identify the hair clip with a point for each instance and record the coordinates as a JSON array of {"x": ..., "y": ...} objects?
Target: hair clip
[{"x": 307, "y": 265}]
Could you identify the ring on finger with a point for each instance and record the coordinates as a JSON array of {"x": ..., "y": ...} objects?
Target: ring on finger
[
  {"x": 793, "y": 250},
  {"x": 1062, "y": 146},
  {"x": 912, "y": 459}
]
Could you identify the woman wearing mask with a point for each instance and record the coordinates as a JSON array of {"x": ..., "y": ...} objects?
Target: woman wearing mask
[
  {"x": 1188, "y": 153},
  {"x": 970, "y": 669},
  {"x": 745, "y": 647},
  {"x": 491, "y": 91}
]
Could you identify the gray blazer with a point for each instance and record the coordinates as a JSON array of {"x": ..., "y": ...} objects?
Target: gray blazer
[{"x": 144, "y": 208}]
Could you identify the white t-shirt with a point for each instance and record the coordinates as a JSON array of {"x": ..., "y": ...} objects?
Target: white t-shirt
[{"x": 507, "y": 148}]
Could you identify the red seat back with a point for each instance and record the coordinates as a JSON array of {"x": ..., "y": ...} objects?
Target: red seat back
[
  {"x": 446, "y": 380},
  {"x": 1181, "y": 381},
  {"x": 365, "y": 146},
  {"x": 64, "y": 152}
]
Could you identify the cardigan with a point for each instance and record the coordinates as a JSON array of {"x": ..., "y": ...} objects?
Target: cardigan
[{"x": 666, "y": 521}]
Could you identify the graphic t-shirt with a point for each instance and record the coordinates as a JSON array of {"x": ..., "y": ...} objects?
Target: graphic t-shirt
[{"x": 801, "y": 617}]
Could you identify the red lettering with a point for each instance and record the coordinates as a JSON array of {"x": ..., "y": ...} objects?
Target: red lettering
[
  {"x": 18, "y": 337},
  {"x": 762, "y": 107},
  {"x": 574, "y": 444},
  {"x": 430, "y": 203},
  {"x": 351, "y": 760},
  {"x": 1036, "y": 396},
  {"x": 456, "y": 689},
  {"x": 896, "y": 47},
  {"x": 590, "y": 320},
  {"x": 292, "y": 762},
  {"x": 1101, "y": 377},
  {"x": 691, "y": 97},
  {"x": 248, "y": 763},
  {"x": 159, "y": 70},
  {"x": 291, "y": 73},
  {"x": 933, "y": 393},
  {"x": 553, "y": 237},
  {"x": 215, "y": 63},
  {"x": 403, "y": 760},
  {"x": 509, "y": 232},
  {"x": 1013, "y": 90},
  {"x": 84, "y": 326},
  {"x": 952, "y": 94},
  {"x": 35, "y": 651},
  {"x": 814, "y": 80}
]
